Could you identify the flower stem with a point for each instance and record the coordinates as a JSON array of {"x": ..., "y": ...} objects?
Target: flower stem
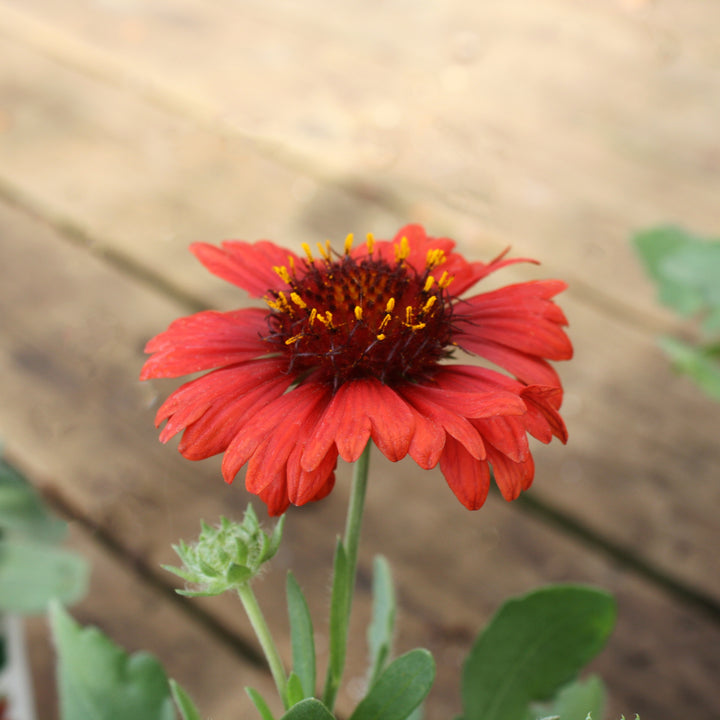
[
  {"x": 342, "y": 596},
  {"x": 257, "y": 620}
]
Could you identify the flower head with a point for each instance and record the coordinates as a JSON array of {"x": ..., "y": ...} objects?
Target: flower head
[{"x": 358, "y": 345}]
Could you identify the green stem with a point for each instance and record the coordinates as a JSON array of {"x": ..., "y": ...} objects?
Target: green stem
[
  {"x": 351, "y": 544},
  {"x": 257, "y": 620}
]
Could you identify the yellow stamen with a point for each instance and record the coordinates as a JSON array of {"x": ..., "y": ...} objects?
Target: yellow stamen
[
  {"x": 429, "y": 283},
  {"x": 324, "y": 250},
  {"x": 445, "y": 280},
  {"x": 348, "y": 243},
  {"x": 430, "y": 302},
  {"x": 390, "y": 305},
  {"x": 283, "y": 300},
  {"x": 384, "y": 322},
  {"x": 418, "y": 326},
  {"x": 370, "y": 243},
  {"x": 402, "y": 250},
  {"x": 326, "y": 319},
  {"x": 358, "y": 312},
  {"x": 293, "y": 339},
  {"x": 272, "y": 303},
  {"x": 306, "y": 248},
  {"x": 380, "y": 336},
  {"x": 434, "y": 257},
  {"x": 408, "y": 315},
  {"x": 313, "y": 315},
  {"x": 291, "y": 264},
  {"x": 298, "y": 300},
  {"x": 282, "y": 271}
]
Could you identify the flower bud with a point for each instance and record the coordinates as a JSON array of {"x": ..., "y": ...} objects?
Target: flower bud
[{"x": 226, "y": 557}]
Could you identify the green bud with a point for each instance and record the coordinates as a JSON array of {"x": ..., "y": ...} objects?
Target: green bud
[{"x": 226, "y": 557}]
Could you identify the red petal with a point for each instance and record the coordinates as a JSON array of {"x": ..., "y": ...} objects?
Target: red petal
[
  {"x": 467, "y": 477},
  {"x": 247, "y": 265},
  {"x": 205, "y": 341},
  {"x": 511, "y": 477},
  {"x": 446, "y": 416}
]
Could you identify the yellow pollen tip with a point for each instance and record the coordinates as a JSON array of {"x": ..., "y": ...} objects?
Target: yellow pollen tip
[
  {"x": 291, "y": 263},
  {"x": 298, "y": 300},
  {"x": 293, "y": 339},
  {"x": 445, "y": 280},
  {"x": 434, "y": 257},
  {"x": 384, "y": 322},
  {"x": 326, "y": 319},
  {"x": 348, "y": 243},
  {"x": 390, "y": 305},
  {"x": 358, "y": 312},
  {"x": 408, "y": 314},
  {"x": 282, "y": 271},
  {"x": 313, "y": 315},
  {"x": 429, "y": 283},
  {"x": 402, "y": 250},
  {"x": 418, "y": 326},
  {"x": 370, "y": 243},
  {"x": 308, "y": 252},
  {"x": 380, "y": 336},
  {"x": 282, "y": 300},
  {"x": 430, "y": 302},
  {"x": 324, "y": 250}
]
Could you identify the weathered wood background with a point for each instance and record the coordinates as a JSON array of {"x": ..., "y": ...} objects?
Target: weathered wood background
[{"x": 129, "y": 129}]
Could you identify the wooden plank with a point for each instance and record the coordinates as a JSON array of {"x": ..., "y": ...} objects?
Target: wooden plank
[
  {"x": 138, "y": 616},
  {"x": 200, "y": 185},
  {"x": 560, "y": 128},
  {"x": 74, "y": 416}
]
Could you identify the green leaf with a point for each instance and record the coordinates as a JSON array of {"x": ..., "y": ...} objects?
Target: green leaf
[
  {"x": 339, "y": 605},
  {"x": 309, "y": 709},
  {"x": 531, "y": 647},
  {"x": 295, "y": 692},
  {"x": 184, "y": 702},
  {"x": 399, "y": 689},
  {"x": 577, "y": 700},
  {"x": 259, "y": 702},
  {"x": 686, "y": 269},
  {"x": 382, "y": 625},
  {"x": 702, "y": 364},
  {"x": 99, "y": 681},
  {"x": 33, "y": 573},
  {"x": 301, "y": 635},
  {"x": 22, "y": 512}
]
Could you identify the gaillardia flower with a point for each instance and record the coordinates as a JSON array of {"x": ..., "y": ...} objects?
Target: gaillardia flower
[{"x": 362, "y": 345}]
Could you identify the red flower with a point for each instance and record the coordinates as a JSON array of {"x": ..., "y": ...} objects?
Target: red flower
[{"x": 358, "y": 346}]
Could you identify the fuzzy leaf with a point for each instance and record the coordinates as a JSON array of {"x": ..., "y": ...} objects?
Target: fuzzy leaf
[
  {"x": 531, "y": 647},
  {"x": 99, "y": 681},
  {"x": 702, "y": 364},
  {"x": 33, "y": 573},
  {"x": 302, "y": 636},
  {"x": 309, "y": 709},
  {"x": 184, "y": 702},
  {"x": 399, "y": 689},
  {"x": 259, "y": 702},
  {"x": 382, "y": 626}
]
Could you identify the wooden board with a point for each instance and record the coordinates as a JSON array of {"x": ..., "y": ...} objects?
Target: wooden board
[
  {"x": 74, "y": 416},
  {"x": 196, "y": 184}
]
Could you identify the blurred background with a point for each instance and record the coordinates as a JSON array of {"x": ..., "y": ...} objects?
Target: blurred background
[{"x": 130, "y": 128}]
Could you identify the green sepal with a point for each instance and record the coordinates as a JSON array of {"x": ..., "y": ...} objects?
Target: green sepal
[
  {"x": 534, "y": 645},
  {"x": 382, "y": 626},
  {"x": 184, "y": 702},
  {"x": 308, "y": 709},
  {"x": 401, "y": 687},
  {"x": 259, "y": 702},
  {"x": 97, "y": 680},
  {"x": 302, "y": 636}
]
